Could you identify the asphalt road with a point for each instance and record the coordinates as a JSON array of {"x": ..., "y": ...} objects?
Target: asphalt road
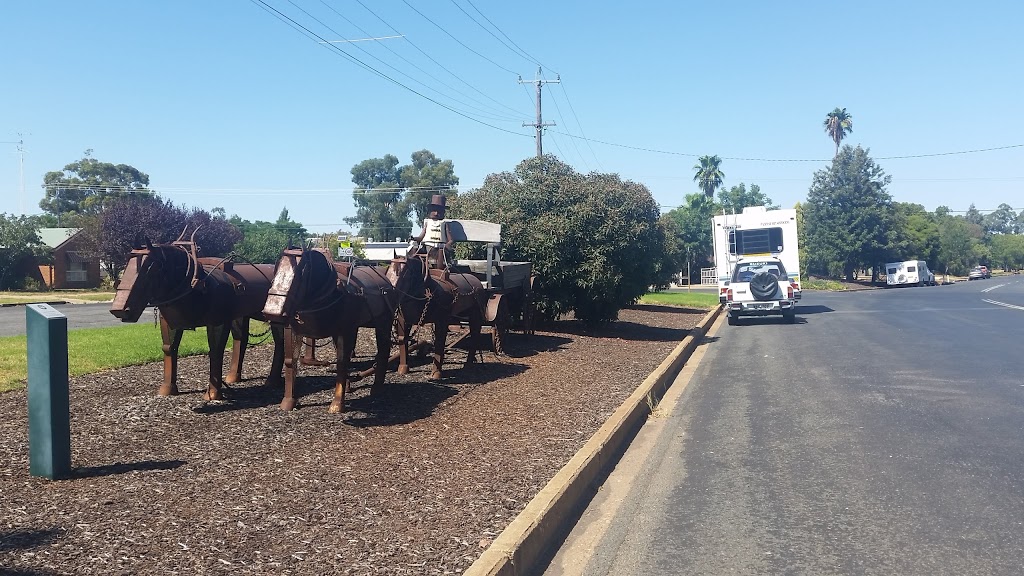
[
  {"x": 12, "y": 318},
  {"x": 882, "y": 434}
]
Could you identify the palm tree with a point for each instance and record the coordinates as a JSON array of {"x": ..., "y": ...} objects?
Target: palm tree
[
  {"x": 708, "y": 174},
  {"x": 838, "y": 124}
]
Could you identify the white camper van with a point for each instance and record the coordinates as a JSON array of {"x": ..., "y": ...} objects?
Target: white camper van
[
  {"x": 756, "y": 232},
  {"x": 908, "y": 273}
]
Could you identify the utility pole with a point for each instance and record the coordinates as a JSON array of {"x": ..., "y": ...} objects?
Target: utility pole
[
  {"x": 21, "y": 168},
  {"x": 21, "y": 171},
  {"x": 539, "y": 124}
]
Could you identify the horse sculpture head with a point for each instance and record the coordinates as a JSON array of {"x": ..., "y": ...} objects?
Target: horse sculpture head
[
  {"x": 303, "y": 278},
  {"x": 154, "y": 275},
  {"x": 408, "y": 276}
]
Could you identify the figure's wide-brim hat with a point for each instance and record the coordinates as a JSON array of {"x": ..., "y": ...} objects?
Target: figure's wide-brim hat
[{"x": 437, "y": 200}]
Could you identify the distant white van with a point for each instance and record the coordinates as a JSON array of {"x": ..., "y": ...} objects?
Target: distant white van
[{"x": 909, "y": 273}]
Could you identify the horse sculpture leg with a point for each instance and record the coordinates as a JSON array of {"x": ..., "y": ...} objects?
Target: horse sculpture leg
[
  {"x": 171, "y": 340},
  {"x": 403, "y": 344},
  {"x": 292, "y": 343},
  {"x": 475, "y": 323},
  {"x": 344, "y": 346},
  {"x": 275, "y": 377},
  {"x": 440, "y": 337},
  {"x": 217, "y": 338},
  {"x": 383, "y": 333},
  {"x": 240, "y": 340}
]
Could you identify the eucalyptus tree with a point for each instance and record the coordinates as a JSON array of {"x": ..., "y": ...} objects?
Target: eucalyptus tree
[
  {"x": 380, "y": 212},
  {"x": 1002, "y": 220},
  {"x": 736, "y": 198},
  {"x": 19, "y": 243},
  {"x": 387, "y": 195},
  {"x": 425, "y": 176},
  {"x": 83, "y": 187},
  {"x": 838, "y": 123},
  {"x": 708, "y": 174}
]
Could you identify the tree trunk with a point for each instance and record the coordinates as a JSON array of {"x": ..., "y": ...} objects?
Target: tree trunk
[{"x": 848, "y": 272}]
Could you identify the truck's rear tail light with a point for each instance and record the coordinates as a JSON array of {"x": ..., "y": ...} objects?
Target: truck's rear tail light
[
  {"x": 789, "y": 292},
  {"x": 728, "y": 294}
]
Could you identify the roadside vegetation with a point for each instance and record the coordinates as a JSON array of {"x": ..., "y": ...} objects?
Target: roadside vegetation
[
  {"x": 820, "y": 284},
  {"x": 98, "y": 349},
  {"x": 700, "y": 300}
]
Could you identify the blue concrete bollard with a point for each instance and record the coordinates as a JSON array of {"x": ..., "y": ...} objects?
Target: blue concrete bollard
[{"x": 49, "y": 412}]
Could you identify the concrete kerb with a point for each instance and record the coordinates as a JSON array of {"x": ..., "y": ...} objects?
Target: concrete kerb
[{"x": 553, "y": 511}]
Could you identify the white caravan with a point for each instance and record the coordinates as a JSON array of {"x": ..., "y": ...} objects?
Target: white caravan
[
  {"x": 908, "y": 273},
  {"x": 756, "y": 232}
]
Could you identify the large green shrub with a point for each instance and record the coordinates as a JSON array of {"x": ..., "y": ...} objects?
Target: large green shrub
[{"x": 594, "y": 240}]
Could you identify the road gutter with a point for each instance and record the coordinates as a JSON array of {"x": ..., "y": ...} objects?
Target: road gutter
[{"x": 549, "y": 517}]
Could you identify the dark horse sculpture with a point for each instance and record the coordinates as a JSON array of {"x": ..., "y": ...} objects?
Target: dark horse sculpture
[
  {"x": 433, "y": 296},
  {"x": 191, "y": 292},
  {"x": 313, "y": 296}
]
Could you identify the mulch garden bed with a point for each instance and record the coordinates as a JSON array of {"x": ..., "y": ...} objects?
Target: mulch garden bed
[{"x": 418, "y": 480}]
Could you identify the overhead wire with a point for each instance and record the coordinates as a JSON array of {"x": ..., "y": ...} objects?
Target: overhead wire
[
  {"x": 558, "y": 110},
  {"x": 736, "y": 158},
  {"x": 499, "y": 114},
  {"x": 325, "y": 43},
  {"x": 523, "y": 53},
  {"x": 368, "y": 53},
  {"x": 578, "y": 123},
  {"x": 243, "y": 190},
  {"x": 450, "y": 35},
  {"x": 429, "y": 57},
  {"x": 493, "y": 35}
]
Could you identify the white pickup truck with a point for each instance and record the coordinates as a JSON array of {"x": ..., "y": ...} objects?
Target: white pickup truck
[{"x": 760, "y": 287}]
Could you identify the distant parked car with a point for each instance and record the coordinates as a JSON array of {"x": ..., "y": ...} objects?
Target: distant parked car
[{"x": 979, "y": 273}]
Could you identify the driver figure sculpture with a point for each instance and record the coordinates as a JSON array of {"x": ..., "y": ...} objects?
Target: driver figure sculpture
[{"x": 435, "y": 236}]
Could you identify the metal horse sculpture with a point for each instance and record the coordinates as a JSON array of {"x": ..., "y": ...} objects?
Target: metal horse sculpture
[
  {"x": 191, "y": 292},
  {"x": 433, "y": 296},
  {"x": 312, "y": 296}
]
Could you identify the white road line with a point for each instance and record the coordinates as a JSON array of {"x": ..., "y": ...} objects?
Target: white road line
[
  {"x": 1004, "y": 304},
  {"x": 991, "y": 288}
]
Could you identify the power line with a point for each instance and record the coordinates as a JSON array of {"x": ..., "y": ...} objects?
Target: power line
[
  {"x": 461, "y": 43},
  {"x": 333, "y": 47},
  {"x": 558, "y": 110},
  {"x": 568, "y": 101},
  {"x": 493, "y": 35},
  {"x": 364, "y": 51},
  {"x": 499, "y": 115},
  {"x": 429, "y": 57},
  {"x": 521, "y": 51},
  {"x": 672, "y": 153},
  {"x": 255, "y": 191}
]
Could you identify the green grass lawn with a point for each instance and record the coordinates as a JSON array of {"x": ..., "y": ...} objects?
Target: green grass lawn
[
  {"x": 701, "y": 300},
  {"x": 97, "y": 349},
  {"x": 818, "y": 284}
]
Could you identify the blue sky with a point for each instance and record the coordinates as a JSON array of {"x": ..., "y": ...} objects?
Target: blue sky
[{"x": 224, "y": 105}]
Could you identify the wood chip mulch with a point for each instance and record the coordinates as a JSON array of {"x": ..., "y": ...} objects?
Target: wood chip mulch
[{"x": 419, "y": 480}]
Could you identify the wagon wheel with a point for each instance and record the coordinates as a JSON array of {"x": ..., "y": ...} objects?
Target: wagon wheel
[{"x": 500, "y": 329}]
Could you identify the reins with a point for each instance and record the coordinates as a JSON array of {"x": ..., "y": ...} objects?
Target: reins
[{"x": 190, "y": 279}]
